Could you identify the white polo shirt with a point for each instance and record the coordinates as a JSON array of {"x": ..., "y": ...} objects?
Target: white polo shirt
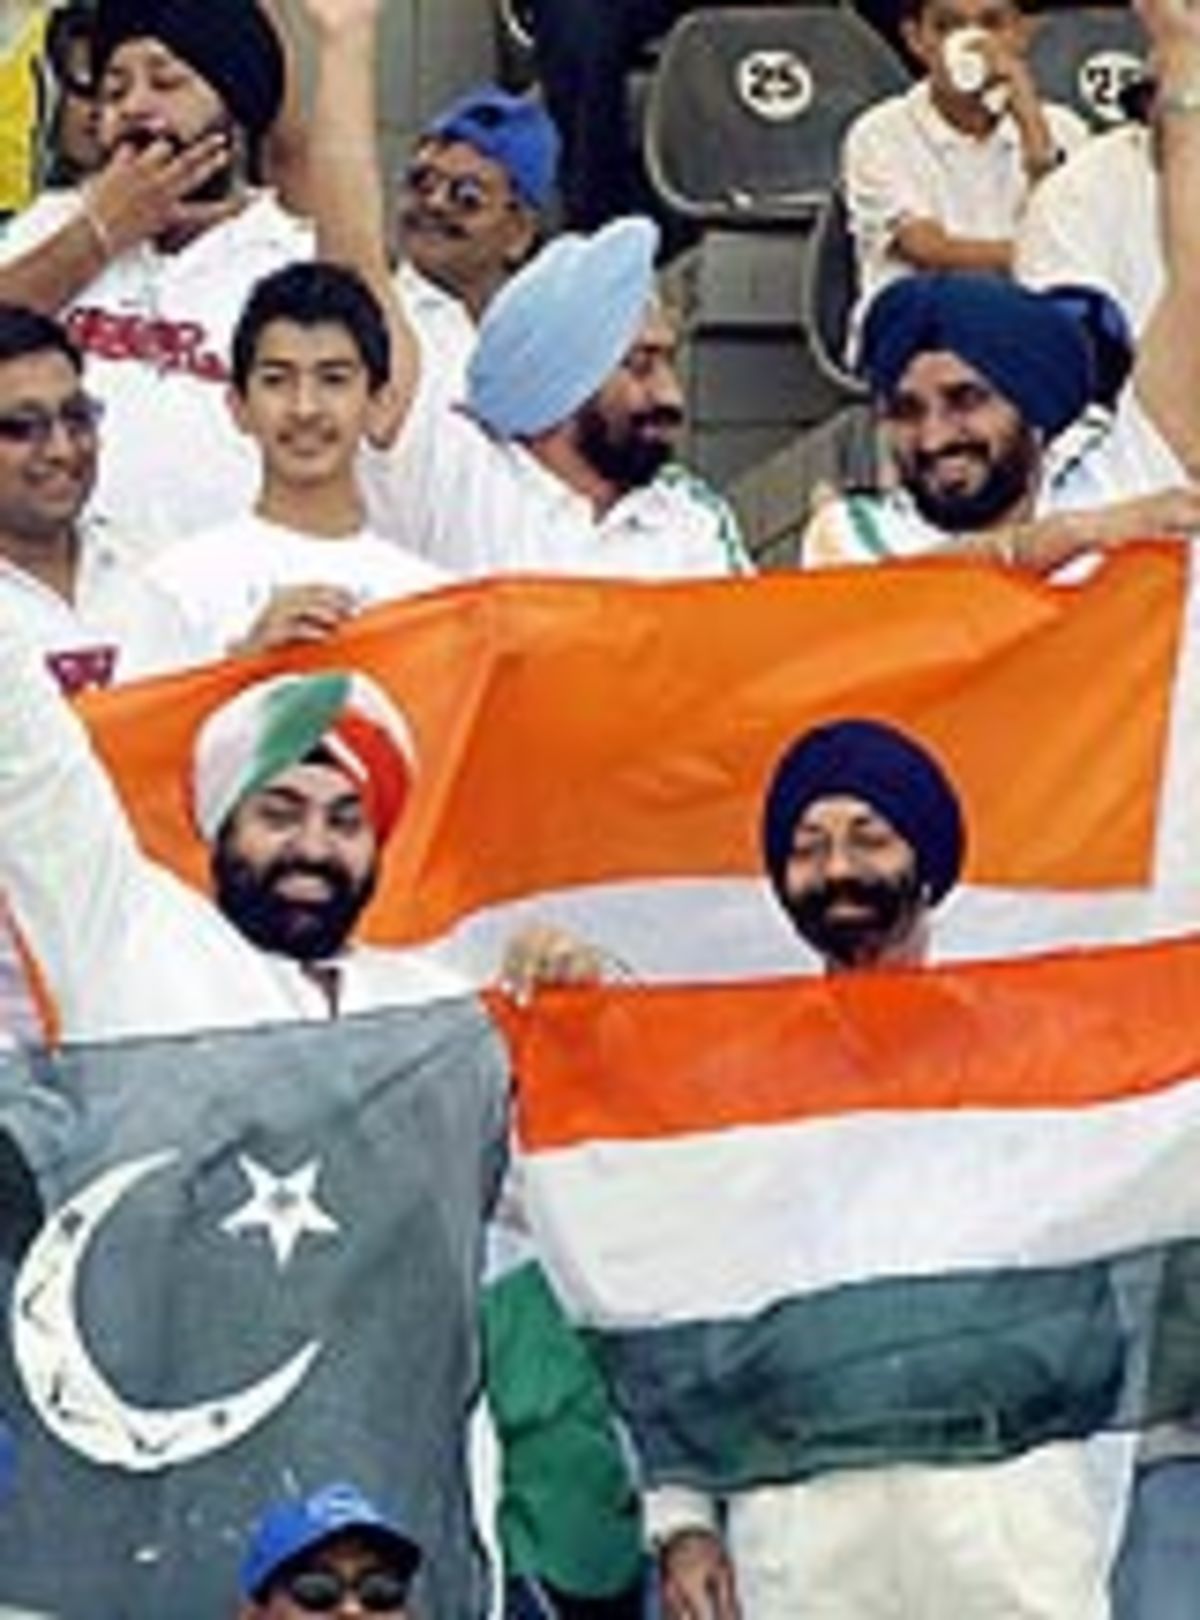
[
  {"x": 901, "y": 160},
  {"x": 477, "y": 505}
]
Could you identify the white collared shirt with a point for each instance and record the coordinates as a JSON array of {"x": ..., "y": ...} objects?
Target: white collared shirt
[
  {"x": 902, "y": 160},
  {"x": 478, "y": 505}
]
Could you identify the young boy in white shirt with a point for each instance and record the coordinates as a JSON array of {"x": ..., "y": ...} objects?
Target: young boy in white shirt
[{"x": 310, "y": 367}]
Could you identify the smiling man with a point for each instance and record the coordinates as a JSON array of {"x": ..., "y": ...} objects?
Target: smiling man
[
  {"x": 980, "y": 388},
  {"x": 863, "y": 837},
  {"x": 473, "y": 198},
  {"x": 577, "y": 333}
]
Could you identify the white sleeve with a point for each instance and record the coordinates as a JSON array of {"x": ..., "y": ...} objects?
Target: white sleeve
[
  {"x": 69, "y": 862},
  {"x": 36, "y": 224},
  {"x": 883, "y": 186},
  {"x": 667, "y": 1510},
  {"x": 1055, "y": 243}
]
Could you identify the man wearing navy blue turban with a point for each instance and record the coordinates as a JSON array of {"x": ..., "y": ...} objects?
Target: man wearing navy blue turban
[
  {"x": 862, "y": 837},
  {"x": 985, "y": 392},
  {"x": 862, "y": 834}
]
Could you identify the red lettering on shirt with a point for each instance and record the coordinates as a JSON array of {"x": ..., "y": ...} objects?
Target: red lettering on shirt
[
  {"x": 82, "y": 668},
  {"x": 174, "y": 346}
]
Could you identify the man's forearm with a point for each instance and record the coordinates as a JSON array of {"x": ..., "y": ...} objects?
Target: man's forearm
[{"x": 49, "y": 276}]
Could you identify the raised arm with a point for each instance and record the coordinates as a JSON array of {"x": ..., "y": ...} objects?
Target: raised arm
[
  {"x": 1167, "y": 370},
  {"x": 285, "y": 147},
  {"x": 68, "y": 857},
  {"x": 346, "y": 174}
]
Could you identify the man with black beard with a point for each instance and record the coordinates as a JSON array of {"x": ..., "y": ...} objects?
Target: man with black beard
[
  {"x": 296, "y": 785},
  {"x": 981, "y": 388},
  {"x": 862, "y": 838},
  {"x": 560, "y": 457},
  {"x": 149, "y": 260}
]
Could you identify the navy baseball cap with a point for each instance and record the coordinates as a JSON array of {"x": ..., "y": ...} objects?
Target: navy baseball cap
[
  {"x": 295, "y": 1526},
  {"x": 514, "y": 131}
]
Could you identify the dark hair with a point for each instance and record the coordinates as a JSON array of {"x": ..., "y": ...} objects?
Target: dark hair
[
  {"x": 312, "y": 293},
  {"x": 27, "y": 331}
]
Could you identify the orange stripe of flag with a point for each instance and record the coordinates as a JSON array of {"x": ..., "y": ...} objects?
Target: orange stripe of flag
[
  {"x": 1057, "y": 1032},
  {"x": 576, "y": 732}
]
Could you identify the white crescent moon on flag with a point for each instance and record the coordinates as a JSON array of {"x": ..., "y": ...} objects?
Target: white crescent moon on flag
[{"x": 67, "y": 1389}]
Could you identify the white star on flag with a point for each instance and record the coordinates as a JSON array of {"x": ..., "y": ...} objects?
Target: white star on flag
[{"x": 284, "y": 1207}]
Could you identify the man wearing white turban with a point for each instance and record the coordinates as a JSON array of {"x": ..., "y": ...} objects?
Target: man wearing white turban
[{"x": 296, "y": 785}]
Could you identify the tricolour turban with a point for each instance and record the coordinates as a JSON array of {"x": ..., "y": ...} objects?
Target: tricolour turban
[
  {"x": 275, "y": 724},
  {"x": 231, "y": 44},
  {"x": 884, "y": 767},
  {"x": 514, "y": 131},
  {"x": 555, "y": 332},
  {"x": 1031, "y": 351}
]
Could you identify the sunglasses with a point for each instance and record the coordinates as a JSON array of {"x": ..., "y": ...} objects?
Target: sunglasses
[
  {"x": 78, "y": 417},
  {"x": 321, "y": 1591},
  {"x": 464, "y": 193}
]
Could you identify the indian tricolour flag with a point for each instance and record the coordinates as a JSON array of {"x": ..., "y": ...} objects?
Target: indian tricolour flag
[
  {"x": 596, "y": 752},
  {"x": 786, "y": 1192},
  {"x": 931, "y": 1215}
]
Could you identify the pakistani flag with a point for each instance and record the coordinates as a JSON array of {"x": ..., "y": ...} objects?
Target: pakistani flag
[{"x": 238, "y": 1266}]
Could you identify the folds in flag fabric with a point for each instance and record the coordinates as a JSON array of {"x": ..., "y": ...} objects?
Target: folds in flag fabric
[
  {"x": 237, "y": 1267},
  {"x": 937, "y": 1215},
  {"x": 605, "y": 747}
]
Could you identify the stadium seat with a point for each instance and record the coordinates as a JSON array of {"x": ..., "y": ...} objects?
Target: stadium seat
[
  {"x": 828, "y": 295},
  {"x": 1086, "y": 57},
  {"x": 749, "y": 105}
]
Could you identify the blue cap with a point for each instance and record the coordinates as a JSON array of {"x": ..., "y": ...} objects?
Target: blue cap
[
  {"x": 294, "y": 1526},
  {"x": 560, "y": 327},
  {"x": 514, "y": 131}
]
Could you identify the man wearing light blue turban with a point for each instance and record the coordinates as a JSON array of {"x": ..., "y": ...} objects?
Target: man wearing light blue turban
[{"x": 560, "y": 458}]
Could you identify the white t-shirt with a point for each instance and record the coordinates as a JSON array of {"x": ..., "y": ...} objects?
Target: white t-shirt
[
  {"x": 156, "y": 330},
  {"x": 219, "y": 582},
  {"x": 478, "y": 505},
  {"x": 114, "y": 629},
  {"x": 1095, "y": 223},
  {"x": 901, "y": 160}
]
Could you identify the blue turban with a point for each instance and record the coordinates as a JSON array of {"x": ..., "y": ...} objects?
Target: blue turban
[
  {"x": 514, "y": 131},
  {"x": 887, "y": 770},
  {"x": 555, "y": 332},
  {"x": 1030, "y": 350}
]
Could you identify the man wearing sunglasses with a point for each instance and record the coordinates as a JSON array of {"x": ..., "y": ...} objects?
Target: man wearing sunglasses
[
  {"x": 471, "y": 205},
  {"x": 561, "y": 457},
  {"x": 333, "y": 1552},
  {"x": 92, "y": 618}
]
